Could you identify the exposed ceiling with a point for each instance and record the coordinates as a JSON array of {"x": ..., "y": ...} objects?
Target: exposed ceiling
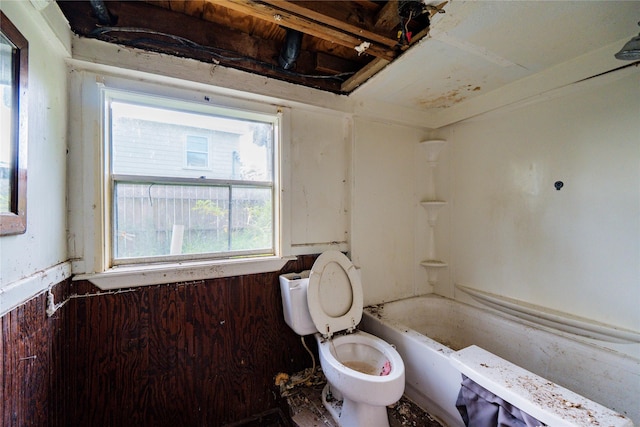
[
  {"x": 329, "y": 45},
  {"x": 432, "y": 58}
]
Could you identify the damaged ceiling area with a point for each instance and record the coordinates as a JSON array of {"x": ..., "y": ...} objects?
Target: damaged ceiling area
[
  {"x": 432, "y": 62},
  {"x": 329, "y": 45}
]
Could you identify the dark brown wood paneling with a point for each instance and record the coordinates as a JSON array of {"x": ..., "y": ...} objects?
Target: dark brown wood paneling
[
  {"x": 31, "y": 358},
  {"x": 196, "y": 354}
]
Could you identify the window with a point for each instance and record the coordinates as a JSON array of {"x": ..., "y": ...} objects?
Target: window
[
  {"x": 14, "y": 72},
  {"x": 221, "y": 205},
  {"x": 197, "y": 152}
]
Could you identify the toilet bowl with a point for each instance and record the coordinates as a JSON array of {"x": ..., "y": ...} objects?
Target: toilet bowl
[{"x": 364, "y": 373}]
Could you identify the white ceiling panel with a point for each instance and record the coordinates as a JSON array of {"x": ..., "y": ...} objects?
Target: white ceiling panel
[{"x": 478, "y": 47}]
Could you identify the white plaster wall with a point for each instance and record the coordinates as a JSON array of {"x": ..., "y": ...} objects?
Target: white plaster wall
[
  {"x": 385, "y": 209},
  {"x": 44, "y": 244},
  {"x": 320, "y": 180},
  {"x": 576, "y": 250}
]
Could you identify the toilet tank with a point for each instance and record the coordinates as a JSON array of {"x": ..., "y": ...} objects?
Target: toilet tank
[{"x": 293, "y": 287}]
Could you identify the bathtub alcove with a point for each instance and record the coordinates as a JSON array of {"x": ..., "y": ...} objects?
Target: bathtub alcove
[{"x": 440, "y": 338}]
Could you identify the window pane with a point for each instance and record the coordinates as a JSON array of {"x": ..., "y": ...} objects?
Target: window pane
[
  {"x": 161, "y": 220},
  {"x": 148, "y": 141},
  {"x": 149, "y": 216},
  {"x": 252, "y": 219},
  {"x": 197, "y": 150},
  {"x": 197, "y": 160},
  {"x": 188, "y": 182},
  {"x": 196, "y": 143},
  {"x": 7, "y": 111}
]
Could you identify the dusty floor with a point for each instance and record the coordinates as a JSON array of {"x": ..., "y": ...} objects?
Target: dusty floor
[{"x": 307, "y": 410}]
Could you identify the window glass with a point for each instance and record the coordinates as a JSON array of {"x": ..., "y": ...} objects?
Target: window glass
[
  {"x": 220, "y": 205},
  {"x": 197, "y": 152},
  {"x": 7, "y": 92}
]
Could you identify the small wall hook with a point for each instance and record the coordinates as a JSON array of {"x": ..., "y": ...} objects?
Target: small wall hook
[{"x": 558, "y": 185}]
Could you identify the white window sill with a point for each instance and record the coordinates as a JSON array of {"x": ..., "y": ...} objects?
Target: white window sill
[{"x": 146, "y": 275}]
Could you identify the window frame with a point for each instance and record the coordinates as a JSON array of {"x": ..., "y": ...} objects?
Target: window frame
[
  {"x": 14, "y": 221},
  {"x": 109, "y": 179}
]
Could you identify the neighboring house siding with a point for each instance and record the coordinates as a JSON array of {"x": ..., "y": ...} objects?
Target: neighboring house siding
[{"x": 158, "y": 149}]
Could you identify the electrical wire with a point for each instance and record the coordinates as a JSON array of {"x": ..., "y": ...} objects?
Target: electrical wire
[
  {"x": 406, "y": 27},
  {"x": 217, "y": 53},
  {"x": 52, "y": 307},
  {"x": 404, "y": 35}
]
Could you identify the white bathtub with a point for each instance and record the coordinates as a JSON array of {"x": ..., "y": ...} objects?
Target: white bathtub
[{"x": 429, "y": 330}]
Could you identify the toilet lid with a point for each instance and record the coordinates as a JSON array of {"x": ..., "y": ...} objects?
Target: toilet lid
[{"x": 334, "y": 294}]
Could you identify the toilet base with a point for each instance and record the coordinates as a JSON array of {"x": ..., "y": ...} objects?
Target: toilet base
[{"x": 348, "y": 413}]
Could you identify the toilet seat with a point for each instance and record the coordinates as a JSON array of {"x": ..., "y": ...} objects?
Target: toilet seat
[{"x": 334, "y": 295}]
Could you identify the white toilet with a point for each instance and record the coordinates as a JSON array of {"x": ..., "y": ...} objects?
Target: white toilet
[{"x": 364, "y": 373}]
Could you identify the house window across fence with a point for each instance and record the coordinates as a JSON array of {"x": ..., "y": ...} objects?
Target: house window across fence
[
  {"x": 197, "y": 152},
  {"x": 219, "y": 203}
]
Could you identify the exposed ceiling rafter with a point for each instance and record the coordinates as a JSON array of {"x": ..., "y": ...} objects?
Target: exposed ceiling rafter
[{"x": 343, "y": 43}]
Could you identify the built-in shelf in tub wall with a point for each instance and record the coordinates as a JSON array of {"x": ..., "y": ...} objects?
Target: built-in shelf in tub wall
[
  {"x": 433, "y": 266},
  {"x": 432, "y": 205},
  {"x": 433, "y": 263},
  {"x": 544, "y": 400},
  {"x": 432, "y": 148}
]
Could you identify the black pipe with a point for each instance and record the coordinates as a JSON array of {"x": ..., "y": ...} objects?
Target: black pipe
[
  {"x": 291, "y": 49},
  {"x": 101, "y": 11}
]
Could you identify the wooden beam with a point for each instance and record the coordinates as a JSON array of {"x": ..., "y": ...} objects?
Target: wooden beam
[
  {"x": 387, "y": 19},
  {"x": 325, "y": 12},
  {"x": 364, "y": 74},
  {"x": 306, "y": 25}
]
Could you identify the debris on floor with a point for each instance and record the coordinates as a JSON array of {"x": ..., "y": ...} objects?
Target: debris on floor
[
  {"x": 303, "y": 394},
  {"x": 306, "y": 378},
  {"x": 271, "y": 418},
  {"x": 407, "y": 413}
]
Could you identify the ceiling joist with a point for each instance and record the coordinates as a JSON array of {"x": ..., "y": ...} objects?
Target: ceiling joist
[
  {"x": 327, "y": 14},
  {"x": 309, "y": 26}
]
